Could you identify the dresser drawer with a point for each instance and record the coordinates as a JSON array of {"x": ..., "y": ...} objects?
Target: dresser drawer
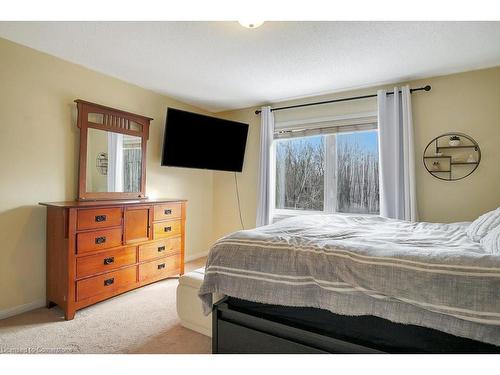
[
  {"x": 159, "y": 248},
  {"x": 106, "y": 261},
  {"x": 167, "y": 211},
  {"x": 169, "y": 228},
  {"x": 160, "y": 268},
  {"x": 98, "y": 240},
  {"x": 107, "y": 282},
  {"x": 98, "y": 218}
]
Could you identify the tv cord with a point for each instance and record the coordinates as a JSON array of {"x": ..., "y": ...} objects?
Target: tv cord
[{"x": 238, "y": 198}]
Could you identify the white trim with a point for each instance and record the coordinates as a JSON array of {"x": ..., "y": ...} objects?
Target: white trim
[
  {"x": 195, "y": 256},
  {"x": 330, "y": 176},
  {"x": 16, "y": 310},
  {"x": 292, "y": 212},
  {"x": 316, "y": 120},
  {"x": 280, "y": 214}
]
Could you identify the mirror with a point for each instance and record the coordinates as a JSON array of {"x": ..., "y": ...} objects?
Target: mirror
[
  {"x": 112, "y": 152},
  {"x": 114, "y": 162}
]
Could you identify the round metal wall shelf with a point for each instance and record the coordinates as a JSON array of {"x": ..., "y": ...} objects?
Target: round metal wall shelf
[{"x": 452, "y": 156}]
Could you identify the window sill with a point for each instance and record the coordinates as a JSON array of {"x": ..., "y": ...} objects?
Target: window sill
[{"x": 281, "y": 214}]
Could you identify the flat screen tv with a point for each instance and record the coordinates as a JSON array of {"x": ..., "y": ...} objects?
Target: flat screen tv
[{"x": 197, "y": 141}]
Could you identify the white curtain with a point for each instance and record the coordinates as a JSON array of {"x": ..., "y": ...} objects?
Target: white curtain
[
  {"x": 115, "y": 162},
  {"x": 397, "y": 158},
  {"x": 265, "y": 194}
]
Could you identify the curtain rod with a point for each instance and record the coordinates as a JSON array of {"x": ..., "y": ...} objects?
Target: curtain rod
[{"x": 425, "y": 88}]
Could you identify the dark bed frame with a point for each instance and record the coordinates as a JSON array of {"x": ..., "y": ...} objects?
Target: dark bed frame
[{"x": 240, "y": 330}]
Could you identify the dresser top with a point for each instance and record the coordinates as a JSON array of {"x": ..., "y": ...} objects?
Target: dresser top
[{"x": 95, "y": 203}]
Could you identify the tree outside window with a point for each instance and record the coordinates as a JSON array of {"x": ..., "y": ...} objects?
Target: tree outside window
[{"x": 328, "y": 173}]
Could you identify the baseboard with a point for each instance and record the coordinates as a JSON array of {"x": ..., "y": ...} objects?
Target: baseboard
[
  {"x": 16, "y": 310},
  {"x": 195, "y": 256}
]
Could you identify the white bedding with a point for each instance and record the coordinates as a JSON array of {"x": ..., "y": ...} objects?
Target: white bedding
[{"x": 427, "y": 274}]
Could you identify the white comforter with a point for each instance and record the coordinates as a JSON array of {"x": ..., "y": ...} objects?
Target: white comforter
[{"x": 415, "y": 273}]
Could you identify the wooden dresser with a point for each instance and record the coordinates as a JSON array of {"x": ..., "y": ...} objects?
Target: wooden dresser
[{"x": 98, "y": 249}]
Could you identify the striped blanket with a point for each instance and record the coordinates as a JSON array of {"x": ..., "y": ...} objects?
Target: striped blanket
[{"x": 425, "y": 274}]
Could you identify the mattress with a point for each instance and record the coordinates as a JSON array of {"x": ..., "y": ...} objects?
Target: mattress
[{"x": 424, "y": 274}]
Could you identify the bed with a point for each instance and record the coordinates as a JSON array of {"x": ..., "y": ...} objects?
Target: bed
[{"x": 428, "y": 280}]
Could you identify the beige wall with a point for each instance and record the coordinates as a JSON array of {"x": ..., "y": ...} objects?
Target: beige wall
[
  {"x": 467, "y": 102},
  {"x": 38, "y": 159}
]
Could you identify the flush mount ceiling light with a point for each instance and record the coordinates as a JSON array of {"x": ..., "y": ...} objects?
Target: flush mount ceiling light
[{"x": 251, "y": 24}]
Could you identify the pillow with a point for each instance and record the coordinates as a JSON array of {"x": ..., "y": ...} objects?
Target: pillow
[
  {"x": 491, "y": 242},
  {"x": 483, "y": 224}
]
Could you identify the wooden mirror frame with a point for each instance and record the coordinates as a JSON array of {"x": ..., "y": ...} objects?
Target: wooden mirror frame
[{"x": 115, "y": 121}]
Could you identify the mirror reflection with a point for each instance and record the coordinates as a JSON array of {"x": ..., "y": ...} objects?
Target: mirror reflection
[{"x": 114, "y": 162}]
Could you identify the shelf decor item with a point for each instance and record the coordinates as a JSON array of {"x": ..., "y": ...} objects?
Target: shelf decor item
[
  {"x": 452, "y": 156},
  {"x": 454, "y": 141}
]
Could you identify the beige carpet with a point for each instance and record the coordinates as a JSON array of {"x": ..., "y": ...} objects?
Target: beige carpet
[{"x": 141, "y": 321}]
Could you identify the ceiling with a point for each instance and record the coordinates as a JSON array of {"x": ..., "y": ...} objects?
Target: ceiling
[{"x": 221, "y": 65}]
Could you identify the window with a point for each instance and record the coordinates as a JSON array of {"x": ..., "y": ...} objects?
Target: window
[
  {"x": 327, "y": 173},
  {"x": 300, "y": 173},
  {"x": 357, "y": 172}
]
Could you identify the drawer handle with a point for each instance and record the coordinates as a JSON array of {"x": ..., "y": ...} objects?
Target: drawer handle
[
  {"x": 100, "y": 240},
  {"x": 168, "y": 212},
  {"x": 109, "y": 282},
  {"x": 109, "y": 260},
  {"x": 100, "y": 218},
  {"x": 161, "y": 266},
  {"x": 167, "y": 229},
  {"x": 161, "y": 248}
]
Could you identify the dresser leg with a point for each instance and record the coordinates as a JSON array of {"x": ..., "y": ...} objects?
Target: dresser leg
[{"x": 69, "y": 314}]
